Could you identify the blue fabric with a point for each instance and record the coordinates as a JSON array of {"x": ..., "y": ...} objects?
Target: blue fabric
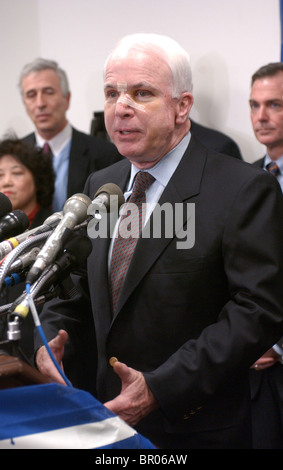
[{"x": 38, "y": 410}]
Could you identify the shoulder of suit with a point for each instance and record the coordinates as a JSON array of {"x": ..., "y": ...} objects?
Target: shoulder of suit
[
  {"x": 29, "y": 139},
  {"x": 259, "y": 162},
  {"x": 92, "y": 142}
]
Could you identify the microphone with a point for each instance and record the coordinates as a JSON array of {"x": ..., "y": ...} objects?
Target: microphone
[
  {"x": 74, "y": 258},
  {"x": 74, "y": 212},
  {"x": 102, "y": 200},
  {"x": 8, "y": 245},
  {"x": 5, "y": 205},
  {"x": 24, "y": 260},
  {"x": 12, "y": 224}
]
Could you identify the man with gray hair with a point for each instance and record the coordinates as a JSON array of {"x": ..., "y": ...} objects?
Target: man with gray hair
[{"x": 46, "y": 95}]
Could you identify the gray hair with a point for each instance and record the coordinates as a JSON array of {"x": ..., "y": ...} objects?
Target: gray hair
[
  {"x": 43, "y": 64},
  {"x": 176, "y": 57}
]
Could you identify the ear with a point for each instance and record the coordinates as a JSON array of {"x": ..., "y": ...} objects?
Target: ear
[
  {"x": 185, "y": 103},
  {"x": 68, "y": 99}
]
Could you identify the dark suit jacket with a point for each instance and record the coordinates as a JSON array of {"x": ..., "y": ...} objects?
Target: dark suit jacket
[
  {"x": 267, "y": 397},
  {"x": 194, "y": 320},
  {"x": 259, "y": 162},
  {"x": 87, "y": 154},
  {"x": 215, "y": 140}
]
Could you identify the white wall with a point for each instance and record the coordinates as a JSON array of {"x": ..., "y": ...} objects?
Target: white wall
[{"x": 227, "y": 41}]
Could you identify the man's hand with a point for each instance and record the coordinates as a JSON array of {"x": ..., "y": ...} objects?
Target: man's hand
[
  {"x": 44, "y": 362},
  {"x": 267, "y": 360},
  {"x": 135, "y": 400}
]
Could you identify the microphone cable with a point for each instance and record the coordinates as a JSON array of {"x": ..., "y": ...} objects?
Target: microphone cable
[
  {"x": 43, "y": 337},
  {"x": 8, "y": 260}
]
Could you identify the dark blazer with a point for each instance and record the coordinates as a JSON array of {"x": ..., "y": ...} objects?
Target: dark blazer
[
  {"x": 259, "y": 162},
  {"x": 215, "y": 140},
  {"x": 267, "y": 398},
  {"x": 194, "y": 320},
  {"x": 87, "y": 154}
]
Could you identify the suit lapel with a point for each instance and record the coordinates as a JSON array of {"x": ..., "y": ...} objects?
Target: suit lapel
[{"x": 184, "y": 184}]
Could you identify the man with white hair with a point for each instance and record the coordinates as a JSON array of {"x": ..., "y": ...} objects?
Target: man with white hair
[{"x": 177, "y": 324}]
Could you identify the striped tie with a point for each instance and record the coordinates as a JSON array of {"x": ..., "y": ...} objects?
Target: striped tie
[{"x": 123, "y": 247}]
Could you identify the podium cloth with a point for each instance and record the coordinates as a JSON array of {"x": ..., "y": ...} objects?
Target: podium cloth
[{"x": 53, "y": 416}]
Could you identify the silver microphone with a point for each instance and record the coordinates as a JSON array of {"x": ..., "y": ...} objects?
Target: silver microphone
[
  {"x": 74, "y": 212},
  {"x": 102, "y": 197}
]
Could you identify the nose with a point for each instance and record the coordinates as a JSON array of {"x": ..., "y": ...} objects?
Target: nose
[
  {"x": 6, "y": 180},
  {"x": 122, "y": 109},
  {"x": 262, "y": 114},
  {"x": 40, "y": 101}
]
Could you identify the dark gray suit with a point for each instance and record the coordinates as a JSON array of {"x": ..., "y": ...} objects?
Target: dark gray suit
[
  {"x": 194, "y": 320},
  {"x": 215, "y": 140},
  {"x": 87, "y": 154},
  {"x": 267, "y": 398}
]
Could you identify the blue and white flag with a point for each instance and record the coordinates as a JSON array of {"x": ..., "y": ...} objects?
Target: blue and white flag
[{"x": 56, "y": 417}]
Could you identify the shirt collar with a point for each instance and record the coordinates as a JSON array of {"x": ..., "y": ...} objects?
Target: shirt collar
[
  {"x": 58, "y": 142},
  {"x": 164, "y": 169}
]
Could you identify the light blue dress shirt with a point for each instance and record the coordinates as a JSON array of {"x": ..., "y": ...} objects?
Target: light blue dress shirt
[{"x": 162, "y": 172}]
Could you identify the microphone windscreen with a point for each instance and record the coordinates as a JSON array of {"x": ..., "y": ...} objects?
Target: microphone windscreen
[
  {"x": 22, "y": 218},
  {"x": 5, "y": 205},
  {"x": 112, "y": 190}
]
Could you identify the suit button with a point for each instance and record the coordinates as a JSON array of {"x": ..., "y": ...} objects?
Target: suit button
[{"x": 112, "y": 361}]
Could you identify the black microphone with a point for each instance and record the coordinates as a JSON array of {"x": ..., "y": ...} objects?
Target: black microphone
[
  {"x": 8, "y": 245},
  {"x": 74, "y": 212},
  {"x": 5, "y": 205},
  {"x": 12, "y": 224}
]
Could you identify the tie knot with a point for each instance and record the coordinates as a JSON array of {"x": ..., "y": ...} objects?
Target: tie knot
[
  {"x": 273, "y": 169},
  {"x": 142, "y": 182}
]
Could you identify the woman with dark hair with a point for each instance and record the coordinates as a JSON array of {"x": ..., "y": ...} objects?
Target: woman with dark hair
[{"x": 27, "y": 179}]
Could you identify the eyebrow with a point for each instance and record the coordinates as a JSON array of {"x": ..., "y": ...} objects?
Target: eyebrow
[
  {"x": 45, "y": 88},
  {"x": 135, "y": 86},
  {"x": 269, "y": 101}
]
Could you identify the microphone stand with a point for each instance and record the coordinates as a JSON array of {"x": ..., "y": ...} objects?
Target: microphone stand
[{"x": 11, "y": 346}]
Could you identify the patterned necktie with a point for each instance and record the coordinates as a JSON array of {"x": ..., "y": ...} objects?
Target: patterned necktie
[
  {"x": 123, "y": 247},
  {"x": 273, "y": 169}
]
